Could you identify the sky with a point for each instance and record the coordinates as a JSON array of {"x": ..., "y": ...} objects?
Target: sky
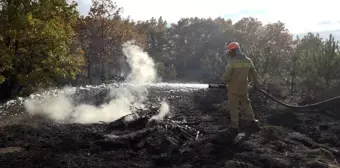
[{"x": 300, "y": 16}]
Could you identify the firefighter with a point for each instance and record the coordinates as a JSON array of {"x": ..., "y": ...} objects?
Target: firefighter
[{"x": 239, "y": 70}]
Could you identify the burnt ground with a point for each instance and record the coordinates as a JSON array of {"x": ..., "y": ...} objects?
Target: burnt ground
[{"x": 190, "y": 137}]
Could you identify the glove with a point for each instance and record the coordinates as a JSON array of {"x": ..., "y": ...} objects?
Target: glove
[{"x": 252, "y": 87}]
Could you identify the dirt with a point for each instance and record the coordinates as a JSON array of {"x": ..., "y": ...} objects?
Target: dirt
[{"x": 190, "y": 137}]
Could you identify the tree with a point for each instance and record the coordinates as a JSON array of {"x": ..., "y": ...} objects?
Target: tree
[
  {"x": 102, "y": 34},
  {"x": 35, "y": 44}
]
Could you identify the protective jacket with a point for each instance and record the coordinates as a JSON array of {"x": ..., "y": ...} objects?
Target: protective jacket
[{"x": 239, "y": 70}]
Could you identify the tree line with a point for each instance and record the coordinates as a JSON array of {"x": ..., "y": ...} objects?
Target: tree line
[{"x": 48, "y": 43}]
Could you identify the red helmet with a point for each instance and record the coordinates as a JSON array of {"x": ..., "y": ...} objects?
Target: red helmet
[{"x": 231, "y": 46}]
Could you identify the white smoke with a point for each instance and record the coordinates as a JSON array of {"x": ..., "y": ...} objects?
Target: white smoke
[
  {"x": 142, "y": 66},
  {"x": 57, "y": 108},
  {"x": 163, "y": 111},
  {"x": 61, "y": 108}
]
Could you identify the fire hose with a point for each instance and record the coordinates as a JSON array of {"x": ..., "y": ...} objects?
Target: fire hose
[{"x": 280, "y": 102}]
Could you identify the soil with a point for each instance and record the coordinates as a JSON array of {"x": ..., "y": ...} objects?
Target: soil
[{"x": 191, "y": 136}]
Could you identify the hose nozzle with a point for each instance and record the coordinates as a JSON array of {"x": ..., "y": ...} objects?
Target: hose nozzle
[{"x": 217, "y": 85}]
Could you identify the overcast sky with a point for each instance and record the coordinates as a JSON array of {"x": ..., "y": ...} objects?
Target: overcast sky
[{"x": 300, "y": 16}]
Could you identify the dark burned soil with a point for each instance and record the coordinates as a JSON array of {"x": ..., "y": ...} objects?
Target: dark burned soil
[{"x": 190, "y": 137}]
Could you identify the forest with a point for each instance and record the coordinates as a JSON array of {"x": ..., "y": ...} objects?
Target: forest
[{"x": 48, "y": 43}]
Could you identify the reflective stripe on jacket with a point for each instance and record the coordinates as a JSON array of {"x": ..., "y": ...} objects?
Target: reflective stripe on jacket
[{"x": 238, "y": 70}]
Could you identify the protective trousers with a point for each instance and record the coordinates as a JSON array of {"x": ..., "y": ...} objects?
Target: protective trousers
[{"x": 233, "y": 100}]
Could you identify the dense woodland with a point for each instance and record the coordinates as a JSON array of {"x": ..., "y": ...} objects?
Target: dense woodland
[{"x": 48, "y": 43}]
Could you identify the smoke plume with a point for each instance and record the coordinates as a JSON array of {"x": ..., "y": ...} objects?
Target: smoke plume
[
  {"x": 61, "y": 107},
  {"x": 163, "y": 111}
]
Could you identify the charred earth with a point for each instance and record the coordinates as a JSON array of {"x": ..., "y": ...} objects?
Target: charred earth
[{"x": 189, "y": 136}]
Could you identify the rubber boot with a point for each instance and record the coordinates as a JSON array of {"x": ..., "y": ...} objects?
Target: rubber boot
[
  {"x": 226, "y": 136},
  {"x": 253, "y": 126},
  {"x": 229, "y": 134},
  {"x": 232, "y": 132},
  {"x": 256, "y": 124}
]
